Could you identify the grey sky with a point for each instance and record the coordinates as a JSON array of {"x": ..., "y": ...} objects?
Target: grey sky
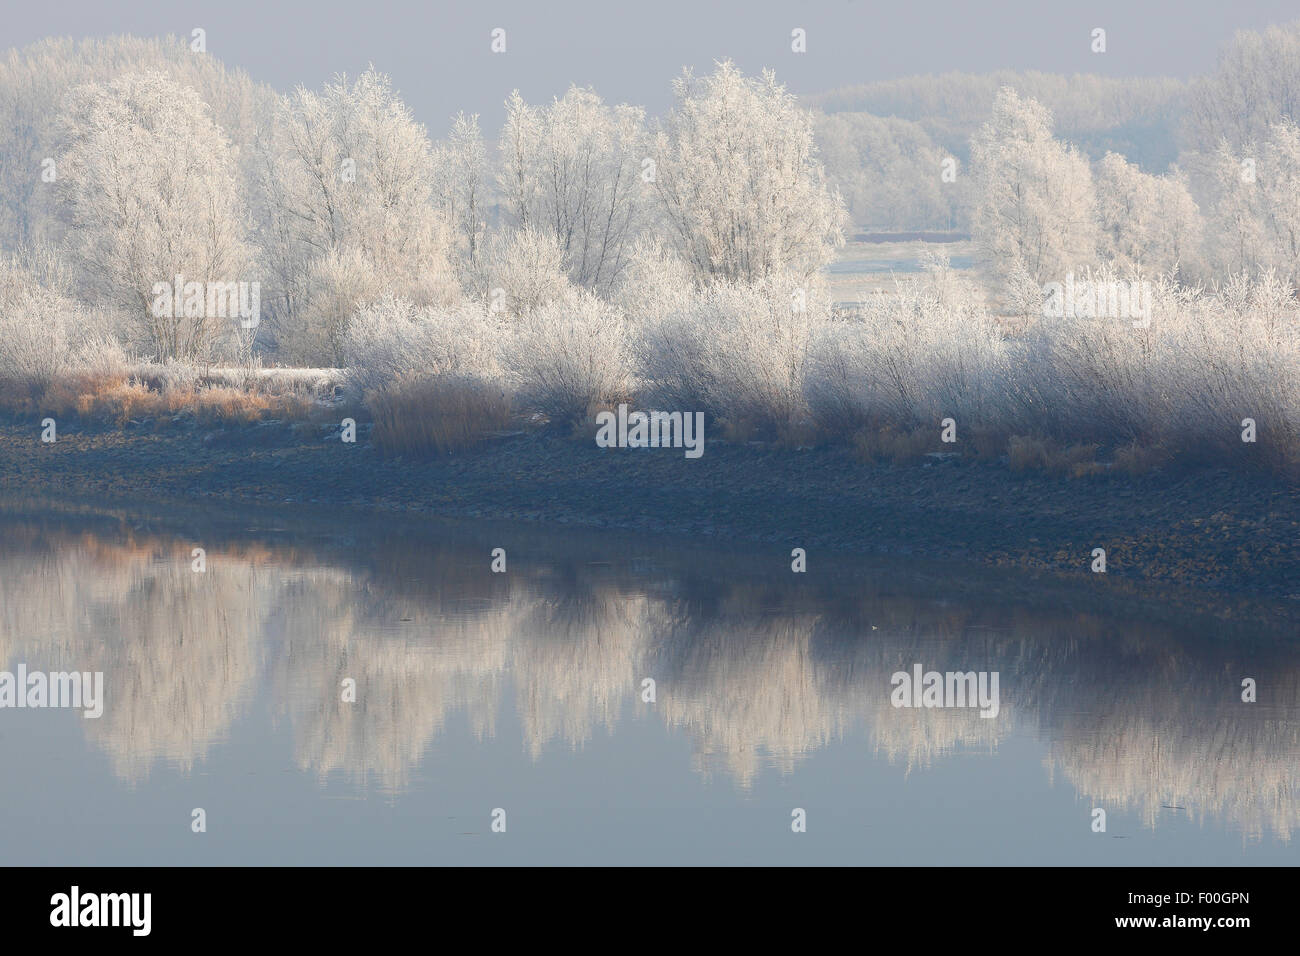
[{"x": 438, "y": 53}]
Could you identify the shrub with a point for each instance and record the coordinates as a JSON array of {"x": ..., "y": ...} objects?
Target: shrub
[
  {"x": 654, "y": 282},
  {"x": 734, "y": 351},
  {"x": 1207, "y": 361},
  {"x": 1026, "y": 452},
  {"x": 527, "y": 265},
  {"x": 910, "y": 360},
  {"x": 872, "y": 444},
  {"x": 35, "y": 339},
  {"x": 391, "y": 338},
  {"x": 567, "y": 357}
]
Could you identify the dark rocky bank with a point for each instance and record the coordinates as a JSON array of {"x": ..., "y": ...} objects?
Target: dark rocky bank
[{"x": 1231, "y": 531}]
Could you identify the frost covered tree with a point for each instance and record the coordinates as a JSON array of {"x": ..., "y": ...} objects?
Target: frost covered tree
[
  {"x": 348, "y": 172},
  {"x": 573, "y": 168},
  {"x": 889, "y": 172},
  {"x": 1255, "y": 206},
  {"x": 1147, "y": 222},
  {"x": 1034, "y": 198},
  {"x": 1235, "y": 237},
  {"x": 740, "y": 185},
  {"x": 1136, "y": 116},
  {"x": 1280, "y": 179},
  {"x": 1256, "y": 83},
  {"x": 34, "y": 81},
  {"x": 461, "y": 188},
  {"x": 149, "y": 191}
]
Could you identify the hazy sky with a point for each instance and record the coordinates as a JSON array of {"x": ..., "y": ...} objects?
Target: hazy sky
[{"x": 438, "y": 53}]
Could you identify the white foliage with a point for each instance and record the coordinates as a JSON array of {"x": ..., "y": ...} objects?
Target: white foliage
[
  {"x": 34, "y": 335},
  {"x": 1034, "y": 199},
  {"x": 34, "y": 81},
  {"x": 655, "y": 282},
  {"x": 1256, "y": 219},
  {"x": 334, "y": 283},
  {"x": 1206, "y": 361},
  {"x": 929, "y": 352},
  {"x": 347, "y": 172},
  {"x": 1147, "y": 222},
  {"x": 567, "y": 357},
  {"x": 741, "y": 188},
  {"x": 889, "y": 172},
  {"x": 572, "y": 168},
  {"x": 461, "y": 188},
  {"x": 735, "y": 351},
  {"x": 149, "y": 191},
  {"x": 1255, "y": 83},
  {"x": 525, "y": 271},
  {"x": 393, "y": 337},
  {"x": 44, "y": 333}
]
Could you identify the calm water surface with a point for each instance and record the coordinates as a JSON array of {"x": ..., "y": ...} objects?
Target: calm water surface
[{"x": 523, "y": 691}]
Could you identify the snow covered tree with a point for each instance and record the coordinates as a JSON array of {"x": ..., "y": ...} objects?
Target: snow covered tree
[
  {"x": 1235, "y": 238},
  {"x": 740, "y": 185},
  {"x": 1147, "y": 222},
  {"x": 573, "y": 168},
  {"x": 889, "y": 172},
  {"x": 1256, "y": 82},
  {"x": 1256, "y": 204},
  {"x": 149, "y": 191},
  {"x": 348, "y": 172},
  {"x": 1280, "y": 179},
  {"x": 34, "y": 81},
  {"x": 1034, "y": 199},
  {"x": 461, "y": 188}
]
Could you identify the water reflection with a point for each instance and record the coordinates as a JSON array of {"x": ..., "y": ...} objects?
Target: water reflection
[{"x": 758, "y": 668}]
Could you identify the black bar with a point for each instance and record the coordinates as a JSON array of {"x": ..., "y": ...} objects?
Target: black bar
[{"x": 948, "y": 906}]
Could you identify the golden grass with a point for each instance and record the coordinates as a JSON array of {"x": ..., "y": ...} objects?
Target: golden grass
[
  {"x": 1025, "y": 453},
  {"x": 1135, "y": 459},
  {"x": 435, "y": 414},
  {"x": 116, "y": 400},
  {"x": 897, "y": 446}
]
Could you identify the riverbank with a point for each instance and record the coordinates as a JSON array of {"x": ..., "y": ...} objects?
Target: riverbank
[{"x": 1236, "y": 532}]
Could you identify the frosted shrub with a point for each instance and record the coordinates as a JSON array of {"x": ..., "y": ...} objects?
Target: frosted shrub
[
  {"x": 337, "y": 283},
  {"x": 654, "y": 282},
  {"x": 1206, "y": 361},
  {"x": 931, "y": 351},
  {"x": 428, "y": 375},
  {"x": 168, "y": 376},
  {"x": 392, "y": 338},
  {"x": 525, "y": 271},
  {"x": 567, "y": 357},
  {"x": 35, "y": 340},
  {"x": 310, "y": 383},
  {"x": 100, "y": 356},
  {"x": 734, "y": 351}
]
